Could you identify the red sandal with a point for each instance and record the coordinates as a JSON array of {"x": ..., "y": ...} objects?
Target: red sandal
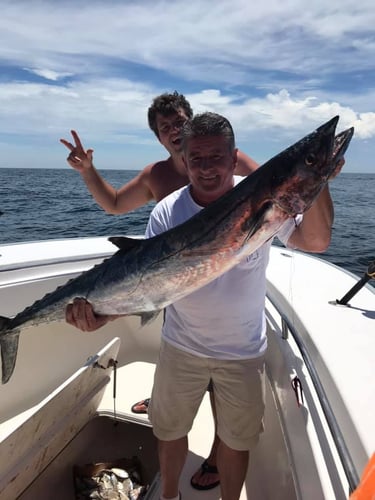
[{"x": 141, "y": 406}]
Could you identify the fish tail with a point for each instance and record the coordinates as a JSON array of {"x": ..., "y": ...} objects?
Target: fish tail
[
  {"x": 9, "y": 349},
  {"x": 4, "y": 323}
]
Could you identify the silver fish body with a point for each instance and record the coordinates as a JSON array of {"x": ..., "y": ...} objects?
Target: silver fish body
[{"x": 144, "y": 276}]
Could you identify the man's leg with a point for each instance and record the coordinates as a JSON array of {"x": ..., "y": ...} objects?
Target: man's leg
[
  {"x": 180, "y": 382},
  {"x": 172, "y": 456},
  {"x": 240, "y": 401},
  {"x": 232, "y": 465}
]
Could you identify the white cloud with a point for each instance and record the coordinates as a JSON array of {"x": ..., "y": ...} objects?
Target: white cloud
[
  {"x": 106, "y": 106},
  {"x": 364, "y": 125},
  {"x": 277, "y": 69},
  {"x": 284, "y": 112},
  {"x": 185, "y": 38},
  {"x": 48, "y": 74}
]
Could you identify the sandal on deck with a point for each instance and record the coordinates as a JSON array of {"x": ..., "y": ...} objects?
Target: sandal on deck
[
  {"x": 141, "y": 406},
  {"x": 205, "y": 468}
]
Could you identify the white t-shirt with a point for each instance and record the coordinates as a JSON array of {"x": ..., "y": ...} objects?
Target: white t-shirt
[{"x": 224, "y": 319}]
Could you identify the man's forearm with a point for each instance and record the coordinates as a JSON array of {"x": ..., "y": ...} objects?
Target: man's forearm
[
  {"x": 104, "y": 194},
  {"x": 314, "y": 232}
]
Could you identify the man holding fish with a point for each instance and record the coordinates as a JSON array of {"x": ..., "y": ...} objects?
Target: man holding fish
[
  {"x": 166, "y": 116},
  {"x": 218, "y": 332}
]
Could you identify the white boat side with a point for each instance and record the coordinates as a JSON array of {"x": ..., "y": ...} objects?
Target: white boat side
[{"x": 301, "y": 452}]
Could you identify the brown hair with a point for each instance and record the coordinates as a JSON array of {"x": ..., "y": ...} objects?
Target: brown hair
[{"x": 167, "y": 104}]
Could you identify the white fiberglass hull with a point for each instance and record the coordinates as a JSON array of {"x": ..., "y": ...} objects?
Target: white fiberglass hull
[{"x": 297, "y": 455}]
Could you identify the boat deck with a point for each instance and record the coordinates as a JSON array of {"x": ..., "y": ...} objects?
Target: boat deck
[{"x": 200, "y": 439}]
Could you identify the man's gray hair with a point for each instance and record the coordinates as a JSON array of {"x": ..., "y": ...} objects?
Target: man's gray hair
[{"x": 208, "y": 124}]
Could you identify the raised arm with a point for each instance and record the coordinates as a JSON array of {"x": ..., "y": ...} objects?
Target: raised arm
[
  {"x": 130, "y": 196},
  {"x": 314, "y": 232}
]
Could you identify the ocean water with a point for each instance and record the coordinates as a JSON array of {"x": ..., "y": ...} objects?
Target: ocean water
[{"x": 40, "y": 204}]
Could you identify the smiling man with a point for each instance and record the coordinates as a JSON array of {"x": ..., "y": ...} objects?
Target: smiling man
[
  {"x": 217, "y": 334},
  {"x": 206, "y": 336}
]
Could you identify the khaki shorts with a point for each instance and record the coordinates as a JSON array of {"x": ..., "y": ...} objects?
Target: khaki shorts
[{"x": 180, "y": 383}]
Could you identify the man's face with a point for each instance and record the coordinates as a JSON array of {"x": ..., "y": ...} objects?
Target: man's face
[
  {"x": 169, "y": 128},
  {"x": 210, "y": 165}
]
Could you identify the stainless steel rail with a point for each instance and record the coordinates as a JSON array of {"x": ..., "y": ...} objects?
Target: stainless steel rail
[{"x": 342, "y": 450}]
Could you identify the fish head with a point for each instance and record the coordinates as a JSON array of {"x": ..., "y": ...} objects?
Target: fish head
[{"x": 305, "y": 167}]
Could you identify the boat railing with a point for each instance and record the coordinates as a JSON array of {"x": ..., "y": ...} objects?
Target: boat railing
[
  {"x": 52, "y": 261},
  {"x": 337, "y": 436}
]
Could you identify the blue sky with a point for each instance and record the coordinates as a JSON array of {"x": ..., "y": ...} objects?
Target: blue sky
[{"x": 277, "y": 71}]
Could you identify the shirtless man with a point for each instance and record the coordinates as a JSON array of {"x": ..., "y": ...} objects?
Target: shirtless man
[{"x": 166, "y": 116}]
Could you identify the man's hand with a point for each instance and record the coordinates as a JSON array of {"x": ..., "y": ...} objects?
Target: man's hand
[
  {"x": 79, "y": 159},
  {"x": 81, "y": 315}
]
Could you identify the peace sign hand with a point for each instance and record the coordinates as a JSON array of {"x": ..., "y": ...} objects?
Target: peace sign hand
[{"x": 78, "y": 158}]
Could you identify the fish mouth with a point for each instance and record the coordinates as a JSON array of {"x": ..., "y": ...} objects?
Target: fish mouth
[{"x": 341, "y": 143}]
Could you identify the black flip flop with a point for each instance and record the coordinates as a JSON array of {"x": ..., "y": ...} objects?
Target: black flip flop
[
  {"x": 206, "y": 469},
  {"x": 142, "y": 402}
]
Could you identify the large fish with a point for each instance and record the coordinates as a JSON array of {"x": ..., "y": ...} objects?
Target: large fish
[{"x": 144, "y": 276}]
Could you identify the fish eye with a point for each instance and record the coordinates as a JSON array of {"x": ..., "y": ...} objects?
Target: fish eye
[{"x": 310, "y": 159}]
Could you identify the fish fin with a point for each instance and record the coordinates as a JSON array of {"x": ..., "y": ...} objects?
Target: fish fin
[
  {"x": 252, "y": 225},
  {"x": 148, "y": 317},
  {"x": 9, "y": 349},
  {"x": 124, "y": 243}
]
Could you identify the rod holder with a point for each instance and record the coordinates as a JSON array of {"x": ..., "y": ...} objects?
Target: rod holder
[{"x": 369, "y": 274}]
